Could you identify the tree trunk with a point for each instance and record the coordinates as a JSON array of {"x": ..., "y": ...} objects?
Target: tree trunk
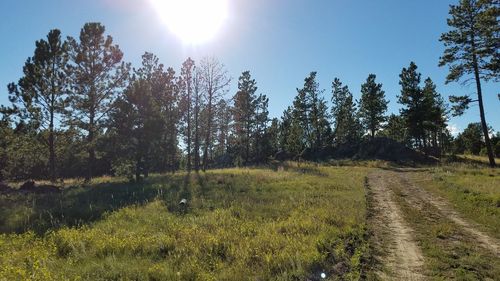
[
  {"x": 189, "y": 135},
  {"x": 52, "y": 154},
  {"x": 137, "y": 170},
  {"x": 188, "y": 121},
  {"x": 196, "y": 138},
  {"x": 209, "y": 131},
  {"x": 484, "y": 125},
  {"x": 247, "y": 145},
  {"x": 91, "y": 149}
]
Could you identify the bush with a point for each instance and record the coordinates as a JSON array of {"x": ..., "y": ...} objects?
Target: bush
[{"x": 124, "y": 168}]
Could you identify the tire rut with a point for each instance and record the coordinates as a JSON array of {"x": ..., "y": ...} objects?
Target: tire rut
[
  {"x": 404, "y": 259},
  {"x": 447, "y": 211}
]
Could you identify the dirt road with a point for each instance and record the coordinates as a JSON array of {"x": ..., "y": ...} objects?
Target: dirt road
[{"x": 401, "y": 258}]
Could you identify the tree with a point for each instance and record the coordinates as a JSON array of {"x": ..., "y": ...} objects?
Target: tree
[
  {"x": 396, "y": 129},
  {"x": 215, "y": 81},
  {"x": 137, "y": 120},
  {"x": 40, "y": 93},
  {"x": 6, "y": 136},
  {"x": 310, "y": 113},
  {"x": 290, "y": 137},
  {"x": 471, "y": 139},
  {"x": 347, "y": 127},
  {"x": 186, "y": 90},
  {"x": 413, "y": 100},
  {"x": 197, "y": 107},
  {"x": 223, "y": 122},
  {"x": 434, "y": 115},
  {"x": 271, "y": 144},
  {"x": 98, "y": 75},
  {"x": 244, "y": 111},
  {"x": 472, "y": 49},
  {"x": 261, "y": 124},
  {"x": 373, "y": 105}
]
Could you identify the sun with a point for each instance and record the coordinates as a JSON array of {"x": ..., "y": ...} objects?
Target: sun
[{"x": 193, "y": 21}]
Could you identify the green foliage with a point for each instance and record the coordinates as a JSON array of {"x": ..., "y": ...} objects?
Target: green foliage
[
  {"x": 40, "y": 94},
  {"x": 347, "y": 126},
  {"x": 250, "y": 118},
  {"x": 144, "y": 117},
  {"x": 396, "y": 129},
  {"x": 373, "y": 105},
  {"x": 470, "y": 140},
  {"x": 412, "y": 99},
  {"x": 310, "y": 114},
  {"x": 472, "y": 42},
  {"x": 472, "y": 49},
  {"x": 97, "y": 75},
  {"x": 423, "y": 112}
]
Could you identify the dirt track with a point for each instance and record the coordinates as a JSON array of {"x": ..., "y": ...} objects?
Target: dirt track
[
  {"x": 403, "y": 259},
  {"x": 447, "y": 211}
]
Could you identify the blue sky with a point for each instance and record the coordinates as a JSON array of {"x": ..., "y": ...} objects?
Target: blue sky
[{"x": 279, "y": 41}]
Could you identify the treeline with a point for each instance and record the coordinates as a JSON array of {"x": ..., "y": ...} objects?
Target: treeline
[{"x": 79, "y": 110}]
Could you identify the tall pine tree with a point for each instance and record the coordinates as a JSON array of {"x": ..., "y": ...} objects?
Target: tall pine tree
[
  {"x": 472, "y": 50},
  {"x": 347, "y": 127},
  {"x": 40, "y": 93},
  {"x": 413, "y": 101},
  {"x": 373, "y": 105},
  {"x": 98, "y": 74}
]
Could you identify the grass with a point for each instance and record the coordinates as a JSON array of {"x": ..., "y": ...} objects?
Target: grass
[
  {"x": 474, "y": 192},
  {"x": 450, "y": 253},
  {"x": 240, "y": 224}
]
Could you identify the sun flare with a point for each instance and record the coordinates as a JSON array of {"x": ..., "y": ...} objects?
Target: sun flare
[{"x": 193, "y": 21}]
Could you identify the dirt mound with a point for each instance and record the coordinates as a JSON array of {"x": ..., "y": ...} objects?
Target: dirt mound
[
  {"x": 31, "y": 187},
  {"x": 382, "y": 149}
]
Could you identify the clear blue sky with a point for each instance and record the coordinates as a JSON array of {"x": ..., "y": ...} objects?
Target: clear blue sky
[{"x": 279, "y": 41}]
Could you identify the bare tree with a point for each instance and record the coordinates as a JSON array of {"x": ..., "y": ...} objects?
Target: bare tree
[{"x": 215, "y": 81}]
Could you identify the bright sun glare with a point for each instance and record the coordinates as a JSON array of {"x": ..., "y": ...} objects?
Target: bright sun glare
[{"x": 193, "y": 21}]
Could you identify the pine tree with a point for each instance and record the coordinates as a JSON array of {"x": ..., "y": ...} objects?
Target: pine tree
[
  {"x": 396, "y": 129},
  {"x": 136, "y": 121},
  {"x": 373, "y": 105},
  {"x": 186, "y": 90},
  {"x": 347, "y": 127},
  {"x": 310, "y": 112},
  {"x": 271, "y": 144},
  {"x": 413, "y": 100},
  {"x": 40, "y": 93},
  {"x": 223, "y": 123},
  {"x": 144, "y": 118},
  {"x": 472, "y": 49},
  {"x": 261, "y": 123},
  {"x": 244, "y": 111},
  {"x": 435, "y": 114},
  {"x": 98, "y": 75}
]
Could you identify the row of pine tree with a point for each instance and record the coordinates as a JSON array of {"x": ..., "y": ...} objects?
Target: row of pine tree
[{"x": 79, "y": 110}]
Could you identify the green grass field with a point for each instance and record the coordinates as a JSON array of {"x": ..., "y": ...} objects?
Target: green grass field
[{"x": 240, "y": 224}]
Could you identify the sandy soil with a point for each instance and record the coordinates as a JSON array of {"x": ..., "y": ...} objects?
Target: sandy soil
[{"x": 403, "y": 258}]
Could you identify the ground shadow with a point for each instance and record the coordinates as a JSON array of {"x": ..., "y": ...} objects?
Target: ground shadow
[{"x": 77, "y": 206}]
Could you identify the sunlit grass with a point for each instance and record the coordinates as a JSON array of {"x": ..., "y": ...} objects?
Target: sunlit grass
[{"x": 240, "y": 224}]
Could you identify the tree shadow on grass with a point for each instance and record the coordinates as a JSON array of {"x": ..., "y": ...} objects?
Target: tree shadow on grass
[{"x": 78, "y": 206}]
